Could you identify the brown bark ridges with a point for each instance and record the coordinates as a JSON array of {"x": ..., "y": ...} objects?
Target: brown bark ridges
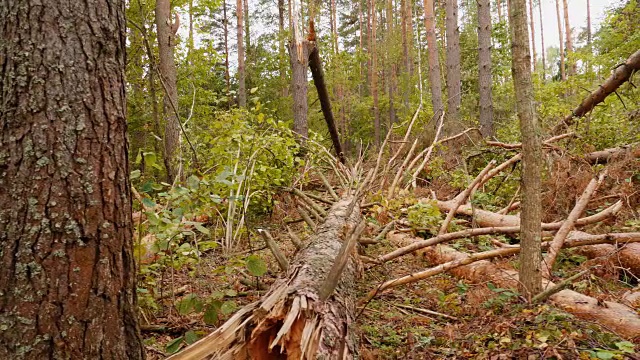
[
  {"x": 484, "y": 68},
  {"x": 621, "y": 74},
  {"x": 67, "y": 288},
  {"x": 454, "y": 85},
  {"x": 435, "y": 81},
  {"x": 291, "y": 321},
  {"x": 530, "y": 255}
]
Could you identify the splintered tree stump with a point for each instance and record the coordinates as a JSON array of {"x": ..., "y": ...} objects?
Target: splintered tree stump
[{"x": 291, "y": 321}]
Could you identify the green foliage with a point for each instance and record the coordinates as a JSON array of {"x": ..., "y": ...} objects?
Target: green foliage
[{"x": 425, "y": 216}]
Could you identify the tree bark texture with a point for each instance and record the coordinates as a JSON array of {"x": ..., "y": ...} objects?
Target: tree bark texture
[
  {"x": 299, "y": 56},
  {"x": 563, "y": 74},
  {"x": 68, "y": 287},
  {"x": 484, "y": 68},
  {"x": 435, "y": 81},
  {"x": 454, "y": 86},
  {"x": 166, "y": 32},
  {"x": 281, "y": 50},
  {"x": 533, "y": 35},
  {"x": 291, "y": 321},
  {"x": 242, "y": 89},
  {"x": 530, "y": 234}
]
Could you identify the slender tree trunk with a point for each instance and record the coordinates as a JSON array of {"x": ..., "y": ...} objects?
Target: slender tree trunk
[
  {"x": 334, "y": 26},
  {"x": 281, "y": 50},
  {"x": 563, "y": 75},
  {"x": 533, "y": 36},
  {"x": 225, "y": 22},
  {"x": 499, "y": 6},
  {"x": 190, "y": 40},
  {"x": 374, "y": 74},
  {"x": 242, "y": 90},
  {"x": 166, "y": 32},
  {"x": 454, "y": 86},
  {"x": 68, "y": 287},
  {"x": 530, "y": 234},
  {"x": 360, "y": 22},
  {"x": 567, "y": 29},
  {"x": 248, "y": 51},
  {"x": 391, "y": 66},
  {"x": 435, "y": 81},
  {"x": 589, "y": 37},
  {"x": 544, "y": 49},
  {"x": 406, "y": 44},
  {"x": 484, "y": 68}
]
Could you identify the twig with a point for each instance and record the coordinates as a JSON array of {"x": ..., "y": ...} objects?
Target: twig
[
  {"x": 294, "y": 238},
  {"x": 544, "y": 295},
  {"x": 385, "y": 230},
  {"x": 305, "y": 215},
  {"x": 400, "y": 171},
  {"x": 426, "y": 311},
  {"x": 328, "y": 186},
  {"x": 268, "y": 239},
  {"x": 310, "y": 202}
]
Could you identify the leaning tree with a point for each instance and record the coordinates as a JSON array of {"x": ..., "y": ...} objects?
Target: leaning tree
[{"x": 67, "y": 287}]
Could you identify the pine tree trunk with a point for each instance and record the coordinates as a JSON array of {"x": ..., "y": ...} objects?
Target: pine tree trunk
[
  {"x": 67, "y": 288},
  {"x": 406, "y": 61},
  {"x": 589, "y": 37},
  {"x": 190, "y": 40},
  {"x": 454, "y": 86},
  {"x": 248, "y": 52},
  {"x": 543, "y": 50},
  {"x": 299, "y": 56},
  {"x": 166, "y": 32},
  {"x": 533, "y": 36},
  {"x": 225, "y": 23},
  {"x": 563, "y": 75},
  {"x": 435, "y": 81},
  {"x": 499, "y": 6},
  {"x": 374, "y": 74},
  {"x": 281, "y": 50},
  {"x": 242, "y": 90},
  {"x": 391, "y": 67},
  {"x": 567, "y": 29},
  {"x": 484, "y": 68},
  {"x": 531, "y": 228}
]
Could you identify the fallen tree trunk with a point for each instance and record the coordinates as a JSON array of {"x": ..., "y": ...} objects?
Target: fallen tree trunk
[
  {"x": 606, "y": 155},
  {"x": 613, "y": 316},
  {"x": 620, "y": 75},
  {"x": 291, "y": 321},
  {"x": 628, "y": 257}
]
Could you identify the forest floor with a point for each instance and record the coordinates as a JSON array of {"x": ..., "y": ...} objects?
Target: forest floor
[{"x": 441, "y": 317}]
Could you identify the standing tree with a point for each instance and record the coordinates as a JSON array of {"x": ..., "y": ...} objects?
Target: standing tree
[
  {"x": 374, "y": 74},
  {"x": 563, "y": 75},
  {"x": 166, "y": 31},
  {"x": 242, "y": 92},
  {"x": 299, "y": 54},
  {"x": 484, "y": 68},
  {"x": 68, "y": 286},
  {"x": 543, "y": 50},
  {"x": 567, "y": 30},
  {"x": 533, "y": 35},
  {"x": 434, "y": 64},
  {"x": 453, "y": 64},
  {"x": 531, "y": 216}
]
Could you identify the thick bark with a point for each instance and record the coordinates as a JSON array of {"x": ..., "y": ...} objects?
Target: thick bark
[
  {"x": 299, "y": 56},
  {"x": 543, "y": 50},
  {"x": 621, "y": 74},
  {"x": 435, "y": 81},
  {"x": 315, "y": 64},
  {"x": 530, "y": 235},
  {"x": 484, "y": 68},
  {"x": 454, "y": 86},
  {"x": 68, "y": 286},
  {"x": 626, "y": 256},
  {"x": 607, "y": 155},
  {"x": 166, "y": 32},
  {"x": 533, "y": 35},
  {"x": 563, "y": 75},
  {"x": 614, "y": 316},
  {"x": 292, "y": 321},
  {"x": 242, "y": 88}
]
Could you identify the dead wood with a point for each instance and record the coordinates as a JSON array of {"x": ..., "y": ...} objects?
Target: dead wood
[
  {"x": 613, "y": 316},
  {"x": 568, "y": 224},
  {"x": 625, "y": 256},
  {"x": 315, "y": 64},
  {"x": 462, "y": 198},
  {"x": 621, "y": 74},
  {"x": 290, "y": 321},
  {"x": 606, "y": 155},
  {"x": 271, "y": 244}
]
